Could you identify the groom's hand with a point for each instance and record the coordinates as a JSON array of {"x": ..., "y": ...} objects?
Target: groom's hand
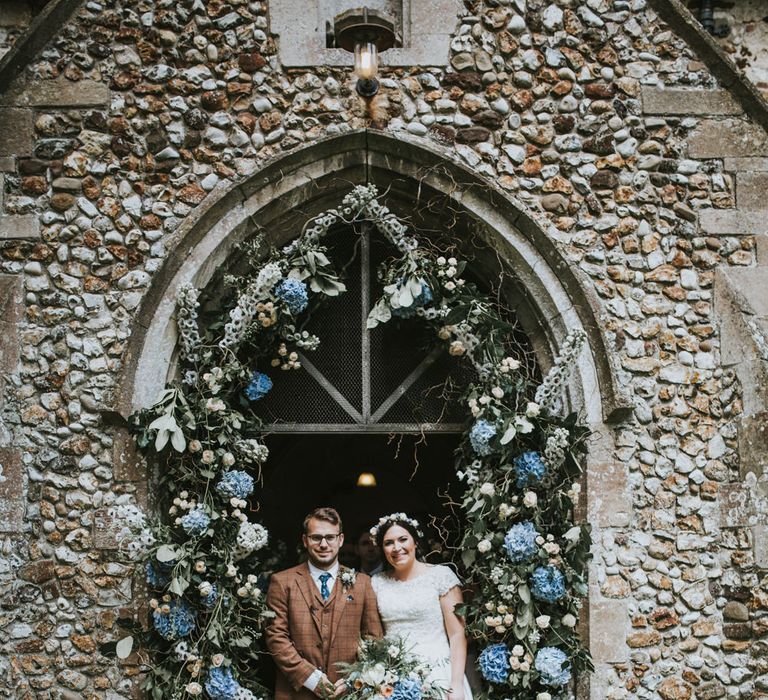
[
  {"x": 324, "y": 688},
  {"x": 341, "y": 688}
]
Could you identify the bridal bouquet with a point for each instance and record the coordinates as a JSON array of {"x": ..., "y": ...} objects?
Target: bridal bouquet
[{"x": 385, "y": 668}]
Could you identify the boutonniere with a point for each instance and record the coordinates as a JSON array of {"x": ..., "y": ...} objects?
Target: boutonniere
[{"x": 348, "y": 578}]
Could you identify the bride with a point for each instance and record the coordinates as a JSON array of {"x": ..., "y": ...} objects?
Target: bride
[{"x": 416, "y": 603}]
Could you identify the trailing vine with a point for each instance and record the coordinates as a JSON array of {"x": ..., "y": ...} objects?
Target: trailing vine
[{"x": 206, "y": 562}]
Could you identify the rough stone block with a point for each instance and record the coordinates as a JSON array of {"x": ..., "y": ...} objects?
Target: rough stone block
[
  {"x": 727, "y": 137},
  {"x": 11, "y": 311},
  {"x": 128, "y": 464},
  {"x": 7, "y": 164},
  {"x": 760, "y": 545},
  {"x": 753, "y": 444},
  {"x": 15, "y": 13},
  {"x": 11, "y": 490},
  {"x": 609, "y": 504},
  {"x": 105, "y": 530},
  {"x": 732, "y": 222},
  {"x": 751, "y": 190},
  {"x": 16, "y": 132},
  {"x": 744, "y": 504},
  {"x": 735, "y": 165},
  {"x": 690, "y": 102},
  {"x": 22, "y": 226},
  {"x": 607, "y": 621},
  {"x": 65, "y": 93}
]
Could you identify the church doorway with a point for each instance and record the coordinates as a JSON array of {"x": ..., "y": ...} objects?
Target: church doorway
[{"x": 363, "y": 477}]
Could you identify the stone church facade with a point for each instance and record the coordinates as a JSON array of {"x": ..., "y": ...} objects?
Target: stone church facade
[{"x": 613, "y": 154}]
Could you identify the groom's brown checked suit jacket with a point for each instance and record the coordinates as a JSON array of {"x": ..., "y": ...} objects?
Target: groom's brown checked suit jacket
[{"x": 308, "y": 633}]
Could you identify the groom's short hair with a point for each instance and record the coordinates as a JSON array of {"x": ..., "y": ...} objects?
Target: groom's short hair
[{"x": 329, "y": 515}]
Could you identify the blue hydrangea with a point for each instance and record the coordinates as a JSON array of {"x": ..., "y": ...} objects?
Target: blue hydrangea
[
  {"x": 423, "y": 298},
  {"x": 259, "y": 386},
  {"x": 220, "y": 685},
  {"x": 494, "y": 663},
  {"x": 177, "y": 623},
  {"x": 196, "y": 522},
  {"x": 158, "y": 574},
  {"x": 529, "y": 468},
  {"x": 548, "y": 584},
  {"x": 520, "y": 541},
  {"x": 235, "y": 484},
  {"x": 406, "y": 689},
  {"x": 480, "y": 436},
  {"x": 210, "y": 600},
  {"x": 553, "y": 667},
  {"x": 293, "y": 293}
]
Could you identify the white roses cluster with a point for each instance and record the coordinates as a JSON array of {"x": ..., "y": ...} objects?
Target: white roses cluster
[
  {"x": 249, "y": 590},
  {"x": 250, "y": 538}
]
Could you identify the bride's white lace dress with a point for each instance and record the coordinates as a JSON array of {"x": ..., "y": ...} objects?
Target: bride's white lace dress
[{"x": 411, "y": 610}]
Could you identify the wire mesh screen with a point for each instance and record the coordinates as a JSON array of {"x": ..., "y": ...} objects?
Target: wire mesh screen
[{"x": 394, "y": 375}]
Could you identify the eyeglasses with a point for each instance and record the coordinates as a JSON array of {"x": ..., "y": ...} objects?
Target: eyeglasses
[{"x": 317, "y": 539}]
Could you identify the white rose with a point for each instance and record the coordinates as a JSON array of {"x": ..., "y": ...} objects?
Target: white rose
[
  {"x": 485, "y": 400},
  {"x": 195, "y": 446},
  {"x": 484, "y": 546},
  {"x": 530, "y": 499},
  {"x": 497, "y": 392},
  {"x": 208, "y": 456},
  {"x": 231, "y": 570},
  {"x": 450, "y": 286},
  {"x": 508, "y": 619},
  {"x": 205, "y": 588},
  {"x": 552, "y": 548},
  {"x": 242, "y": 592},
  {"x": 501, "y": 629},
  {"x": 543, "y": 696},
  {"x": 514, "y": 662},
  {"x": 532, "y": 409},
  {"x": 518, "y": 650},
  {"x": 228, "y": 459},
  {"x": 569, "y": 620},
  {"x": 542, "y": 621},
  {"x": 452, "y": 261},
  {"x": 194, "y": 688},
  {"x": 217, "y": 659},
  {"x": 374, "y": 676},
  {"x": 487, "y": 489},
  {"x": 441, "y": 260}
]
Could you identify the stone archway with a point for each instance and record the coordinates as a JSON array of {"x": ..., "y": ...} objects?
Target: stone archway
[{"x": 553, "y": 300}]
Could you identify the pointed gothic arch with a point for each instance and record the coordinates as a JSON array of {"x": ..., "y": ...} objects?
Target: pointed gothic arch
[{"x": 551, "y": 298}]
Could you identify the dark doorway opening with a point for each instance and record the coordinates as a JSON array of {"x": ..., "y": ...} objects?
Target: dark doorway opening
[{"x": 413, "y": 473}]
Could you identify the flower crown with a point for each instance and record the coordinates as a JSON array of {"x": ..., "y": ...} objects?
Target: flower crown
[{"x": 394, "y": 518}]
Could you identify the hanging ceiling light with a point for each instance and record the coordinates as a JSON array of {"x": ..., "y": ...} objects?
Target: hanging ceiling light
[
  {"x": 366, "y": 480},
  {"x": 365, "y": 33}
]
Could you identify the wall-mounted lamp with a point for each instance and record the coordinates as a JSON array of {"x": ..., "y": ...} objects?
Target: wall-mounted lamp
[
  {"x": 366, "y": 480},
  {"x": 365, "y": 33}
]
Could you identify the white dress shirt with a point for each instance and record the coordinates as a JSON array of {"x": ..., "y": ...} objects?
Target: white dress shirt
[{"x": 315, "y": 572}]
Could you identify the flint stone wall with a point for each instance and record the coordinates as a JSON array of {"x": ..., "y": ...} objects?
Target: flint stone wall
[{"x": 643, "y": 170}]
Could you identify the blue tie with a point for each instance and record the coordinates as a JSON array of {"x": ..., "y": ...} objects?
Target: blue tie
[{"x": 324, "y": 592}]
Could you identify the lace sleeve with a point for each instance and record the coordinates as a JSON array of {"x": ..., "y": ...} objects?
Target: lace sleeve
[{"x": 445, "y": 579}]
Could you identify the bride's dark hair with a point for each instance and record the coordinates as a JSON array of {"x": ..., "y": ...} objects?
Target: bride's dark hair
[{"x": 381, "y": 533}]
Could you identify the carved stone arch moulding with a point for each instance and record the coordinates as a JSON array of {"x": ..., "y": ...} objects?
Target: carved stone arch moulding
[{"x": 553, "y": 299}]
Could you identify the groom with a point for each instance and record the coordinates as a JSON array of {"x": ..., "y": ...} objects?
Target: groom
[{"x": 321, "y": 611}]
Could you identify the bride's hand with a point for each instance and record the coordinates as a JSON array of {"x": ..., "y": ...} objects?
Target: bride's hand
[{"x": 455, "y": 694}]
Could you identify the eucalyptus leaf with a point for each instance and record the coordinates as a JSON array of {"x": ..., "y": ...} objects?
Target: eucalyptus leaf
[
  {"x": 177, "y": 441},
  {"x": 178, "y": 585},
  {"x": 524, "y": 593},
  {"x": 509, "y": 433}
]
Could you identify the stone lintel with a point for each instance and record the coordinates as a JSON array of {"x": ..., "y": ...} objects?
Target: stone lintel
[
  {"x": 689, "y": 102},
  {"x": 16, "y": 132},
  {"x": 732, "y": 222},
  {"x": 15, "y": 13},
  {"x": 744, "y": 504},
  {"x": 718, "y": 138},
  {"x": 61, "y": 92},
  {"x": 11, "y": 490},
  {"x": 19, "y": 226},
  {"x": 751, "y": 190},
  {"x": 607, "y": 620}
]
